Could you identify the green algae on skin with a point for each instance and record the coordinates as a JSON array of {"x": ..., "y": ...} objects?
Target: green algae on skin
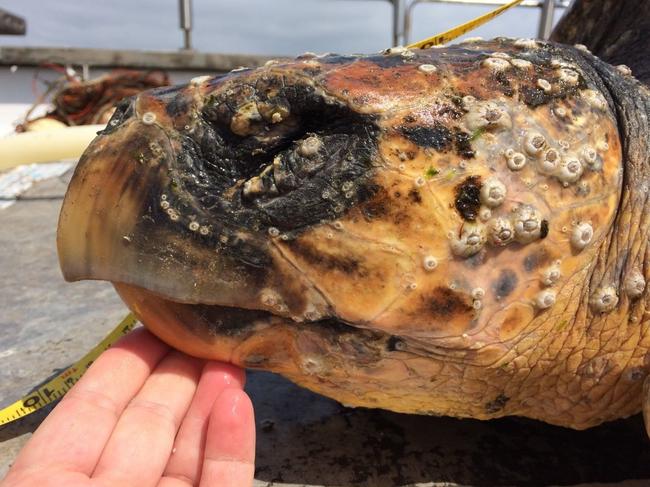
[
  {"x": 431, "y": 172},
  {"x": 477, "y": 134}
]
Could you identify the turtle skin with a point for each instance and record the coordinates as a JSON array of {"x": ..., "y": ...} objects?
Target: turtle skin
[{"x": 457, "y": 231}]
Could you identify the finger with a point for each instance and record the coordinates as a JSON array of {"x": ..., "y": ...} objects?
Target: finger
[
  {"x": 230, "y": 445},
  {"x": 73, "y": 436},
  {"x": 187, "y": 458},
  {"x": 139, "y": 448}
]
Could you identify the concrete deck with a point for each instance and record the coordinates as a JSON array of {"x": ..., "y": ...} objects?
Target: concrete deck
[{"x": 303, "y": 439}]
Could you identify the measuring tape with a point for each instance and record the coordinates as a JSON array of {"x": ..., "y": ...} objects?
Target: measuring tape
[
  {"x": 57, "y": 387},
  {"x": 452, "y": 34}
]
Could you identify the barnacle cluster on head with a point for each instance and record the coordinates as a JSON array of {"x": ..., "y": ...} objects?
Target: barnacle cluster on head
[
  {"x": 557, "y": 160},
  {"x": 541, "y": 133},
  {"x": 546, "y": 159},
  {"x": 523, "y": 224}
]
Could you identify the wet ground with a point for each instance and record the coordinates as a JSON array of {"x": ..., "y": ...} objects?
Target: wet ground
[{"x": 303, "y": 439}]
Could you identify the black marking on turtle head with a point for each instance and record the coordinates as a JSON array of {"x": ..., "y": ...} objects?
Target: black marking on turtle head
[
  {"x": 463, "y": 144},
  {"x": 535, "y": 97},
  {"x": 220, "y": 321},
  {"x": 123, "y": 111},
  {"x": 468, "y": 197},
  {"x": 440, "y": 138},
  {"x": 377, "y": 206},
  {"x": 255, "y": 361},
  {"x": 215, "y": 161},
  {"x": 437, "y": 137},
  {"x": 395, "y": 344},
  {"x": 497, "y": 404},
  {"x": 543, "y": 229},
  {"x": 502, "y": 83},
  {"x": 445, "y": 303},
  {"x": 177, "y": 106},
  {"x": 414, "y": 196},
  {"x": 388, "y": 61},
  {"x": 337, "y": 59},
  {"x": 536, "y": 259},
  {"x": 505, "y": 284},
  {"x": 327, "y": 262}
]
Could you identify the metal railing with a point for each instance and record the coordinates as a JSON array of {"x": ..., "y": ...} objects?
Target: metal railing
[
  {"x": 545, "y": 24},
  {"x": 185, "y": 16},
  {"x": 403, "y": 15}
]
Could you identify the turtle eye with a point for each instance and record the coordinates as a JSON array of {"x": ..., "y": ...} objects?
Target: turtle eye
[
  {"x": 267, "y": 155},
  {"x": 123, "y": 111},
  {"x": 289, "y": 167}
]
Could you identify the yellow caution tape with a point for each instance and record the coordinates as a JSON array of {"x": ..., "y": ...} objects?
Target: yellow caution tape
[
  {"x": 452, "y": 34},
  {"x": 62, "y": 383}
]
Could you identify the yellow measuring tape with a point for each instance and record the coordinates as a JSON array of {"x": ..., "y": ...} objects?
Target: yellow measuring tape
[
  {"x": 452, "y": 34},
  {"x": 57, "y": 387}
]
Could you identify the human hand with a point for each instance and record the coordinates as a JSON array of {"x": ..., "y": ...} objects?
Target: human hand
[{"x": 145, "y": 415}]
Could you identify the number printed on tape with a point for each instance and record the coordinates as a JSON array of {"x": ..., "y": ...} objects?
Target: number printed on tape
[{"x": 62, "y": 383}]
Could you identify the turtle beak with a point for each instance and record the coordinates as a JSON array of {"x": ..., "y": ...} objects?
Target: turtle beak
[
  {"x": 114, "y": 226},
  {"x": 105, "y": 198},
  {"x": 121, "y": 221}
]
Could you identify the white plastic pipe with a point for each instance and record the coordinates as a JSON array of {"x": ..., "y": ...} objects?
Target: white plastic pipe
[{"x": 46, "y": 145}]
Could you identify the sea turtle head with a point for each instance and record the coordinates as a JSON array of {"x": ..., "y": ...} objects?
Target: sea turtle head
[
  {"x": 350, "y": 220},
  {"x": 194, "y": 192}
]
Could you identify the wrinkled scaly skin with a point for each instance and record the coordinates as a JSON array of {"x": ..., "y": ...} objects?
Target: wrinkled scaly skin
[
  {"x": 457, "y": 231},
  {"x": 615, "y": 31}
]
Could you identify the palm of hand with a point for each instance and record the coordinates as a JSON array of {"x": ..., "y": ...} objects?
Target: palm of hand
[{"x": 144, "y": 415}]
